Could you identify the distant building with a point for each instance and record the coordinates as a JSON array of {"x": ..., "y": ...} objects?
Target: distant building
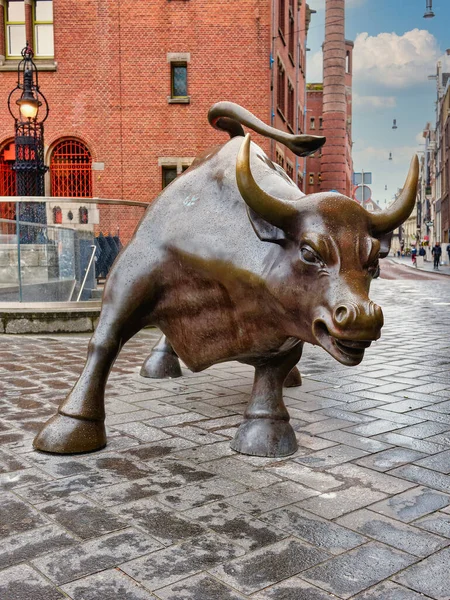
[{"x": 129, "y": 85}]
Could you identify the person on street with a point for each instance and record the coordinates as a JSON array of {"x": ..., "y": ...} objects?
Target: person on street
[
  {"x": 436, "y": 252},
  {"x": 448, "y": 252},
  {"x": 413, "y": 256}
]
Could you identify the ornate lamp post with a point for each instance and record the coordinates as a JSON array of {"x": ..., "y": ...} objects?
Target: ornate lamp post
[{"x": 24, "y": 104}]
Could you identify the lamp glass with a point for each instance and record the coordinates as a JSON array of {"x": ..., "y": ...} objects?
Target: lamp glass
[{"x": 28, "y": 110}]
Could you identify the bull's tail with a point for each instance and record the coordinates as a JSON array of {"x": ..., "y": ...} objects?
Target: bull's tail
[{"x": 229, "y": 117}]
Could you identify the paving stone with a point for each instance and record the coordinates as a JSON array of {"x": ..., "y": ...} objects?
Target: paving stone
[
  {"x": 165, "y": 567},
  {"x": 24, "y": 583},
  {"x": 195, "y": 434},
  {"x": 438, "y": 462},
  {"x": 293, "y": 589},
  {"x": 235, "y": 525},
  {"x": 373, "y": 428},
  {"x": 142, "y": 432},
  {"x": 438, "y": 522},
  {"x": 389, "y": 591},
  {"x": 160, "y": 522},
  {"x": 409, "y": 442},
  {"x": 389, "y": 459},
  {"x": 331, "y": 456},
  {"x": 25, "y": 546},
  {"x": 160, "y": 449},
  {"x": 177, "y": 419},
  {"x": 381, "y": 413},
  {"x": 96, "y": 555},
  {"x": 423, "y": 476},
  {"x": 108, "y": 585},
  {"x": 201, "y": 493},
  {"x": 235, "y": 469},
  {"x": 117, "y": 464},
  {"x": 412, "y": 504},
  {"x": 356, "y": 441},
  {"x": 274, "y": 496},
  {"x": 82, "y": 517},
  {"x": 17, "y": 516},
  {"x": 22, "y": 478},
  {"x": 430, "y": 576},
  {"x": 424, "y": 430},
  {"x": 396, "y": 534},
  {"x": 306, "y": 476},
  {"x": 314, "y": 530},
  {"x": 355, "y": 474},
  {"x": 269, "y": 565},
  {"x": 336, "y": 503},
  {"x": 59, "y": 466},
  {"x": 354, "y": 571},
  {"x": 198, "y": 587}
]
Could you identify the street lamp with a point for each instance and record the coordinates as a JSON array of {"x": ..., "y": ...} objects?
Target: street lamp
[
  {"x": 429, "y": 10},
  {"x": 24, "y": 104}
]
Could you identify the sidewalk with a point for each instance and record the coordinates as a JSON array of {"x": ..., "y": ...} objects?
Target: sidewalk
[
  {"x": 444, "y": 269},
  {"x": 167, "y": 511}
]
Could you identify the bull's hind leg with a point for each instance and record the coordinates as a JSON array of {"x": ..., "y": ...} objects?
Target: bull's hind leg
[
  {"x": 265, "y": 430},
  {"x": 162, "y": 363}
]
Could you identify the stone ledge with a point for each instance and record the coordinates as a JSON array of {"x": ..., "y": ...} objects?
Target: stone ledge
[{"x": 51, "y": 317}]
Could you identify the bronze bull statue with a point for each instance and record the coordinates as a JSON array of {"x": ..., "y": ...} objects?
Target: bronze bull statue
[{"x": 233, "y": 262}]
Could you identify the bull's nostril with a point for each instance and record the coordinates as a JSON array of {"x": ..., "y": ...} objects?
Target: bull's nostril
[
  {"x": 378, "y": 312},
  {"x": 341, "y": 314}
]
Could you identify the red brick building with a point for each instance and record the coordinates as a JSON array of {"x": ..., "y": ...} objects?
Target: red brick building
[{"x": 129, "y": 84}]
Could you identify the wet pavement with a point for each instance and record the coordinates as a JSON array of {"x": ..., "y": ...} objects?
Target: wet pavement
[{"x": 168, "y": 511}]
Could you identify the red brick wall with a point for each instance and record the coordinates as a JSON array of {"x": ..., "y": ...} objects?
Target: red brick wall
[
  {"x": 313, "y": 163},
  {"x": 113, "y": 79}
]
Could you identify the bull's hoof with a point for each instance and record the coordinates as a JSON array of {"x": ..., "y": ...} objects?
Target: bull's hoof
[
  {"x": 161, "y": 365},
  {"x": 265, "y": 437},
  {"x": 294, "y": 379},
  {"x": 66, "y": 435}
]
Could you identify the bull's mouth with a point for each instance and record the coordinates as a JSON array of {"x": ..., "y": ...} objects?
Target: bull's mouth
[{"x": 347, "y": 351}]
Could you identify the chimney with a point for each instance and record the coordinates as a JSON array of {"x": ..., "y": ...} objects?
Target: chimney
[{"x": 333, "y": 163}]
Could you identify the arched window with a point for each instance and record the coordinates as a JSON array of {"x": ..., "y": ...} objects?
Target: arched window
[
  {"x": 7, "y": 183},
  {"x": 71, "y": 170}
]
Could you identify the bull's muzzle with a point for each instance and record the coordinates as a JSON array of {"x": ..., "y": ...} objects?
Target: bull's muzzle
[{"x": 351, "y": 329}]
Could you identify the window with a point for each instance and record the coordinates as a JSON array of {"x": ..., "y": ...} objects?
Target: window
[
  {"x": 291, "y": 40},
  {"x": 178, "y": 80},
  {"x": 281, "y": 84},
  {"x": 33, "y": 19},
  {"x": 279, "y": 159},
  {"x": 281, "y": 17},
  {"x": 289, "y": 170},
  {"x": 320, "y": 122},
  {"x": 290, "y": 110},
  {"x": 43, "y": 28},
  {"x": 312, "y": 123},
  {"x": 311, "y": 179},
  {"x": 71, "y": 170},
  {"x": 168, "y": 175},
  {"x": 15, "y": 28}
]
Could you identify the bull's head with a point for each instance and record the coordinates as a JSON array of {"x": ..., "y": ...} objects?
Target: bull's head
[{"x": 332, "y": 248}]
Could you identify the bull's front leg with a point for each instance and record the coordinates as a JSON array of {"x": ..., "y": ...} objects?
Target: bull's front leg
[{"x": 265, "y": 430}]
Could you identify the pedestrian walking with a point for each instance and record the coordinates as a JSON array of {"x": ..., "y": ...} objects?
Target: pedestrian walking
[
  {"x": 436, "y": 252},
  {"x": 414, "y": 256},
  {"x": 448, "y": 252}
]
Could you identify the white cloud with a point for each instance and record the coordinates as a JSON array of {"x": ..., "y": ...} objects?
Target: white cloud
[
  {"x": 374, "y": 102},
  {"x": 314, "y": 67},
  {"x": 400, "y": 155},
  {"x": 396, "y": 61}
]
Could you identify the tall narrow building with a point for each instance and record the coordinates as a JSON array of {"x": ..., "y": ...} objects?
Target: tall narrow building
[{"x": 333, "y": 163}]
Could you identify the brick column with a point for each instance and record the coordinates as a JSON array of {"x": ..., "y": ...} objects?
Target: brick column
[
  {"x": 2, "y": 32},
  {"x": 29, "y": 22},
  {"x": 334, "y": 102}
]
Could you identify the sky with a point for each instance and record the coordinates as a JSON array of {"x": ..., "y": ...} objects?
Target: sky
[{"x": 395, "y": 51}]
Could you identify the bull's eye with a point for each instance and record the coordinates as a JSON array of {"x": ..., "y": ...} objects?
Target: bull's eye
[{"x": 309, "y": 256}]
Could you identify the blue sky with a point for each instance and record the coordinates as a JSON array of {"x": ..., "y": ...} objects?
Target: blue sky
[{"x": 395, "y": 51}]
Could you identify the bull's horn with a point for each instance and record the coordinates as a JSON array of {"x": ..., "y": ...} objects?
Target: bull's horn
[
  {"x": 391, "y": 218},
  {"x": 274, "y": 210}
]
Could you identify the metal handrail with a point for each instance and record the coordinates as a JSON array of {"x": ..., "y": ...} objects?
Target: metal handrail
[
  {"x": 64, "y": 199},
  {"x": 88, "y": 268}
]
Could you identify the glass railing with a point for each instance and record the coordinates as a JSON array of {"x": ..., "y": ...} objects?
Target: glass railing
[{"x": 42, "y": 262}]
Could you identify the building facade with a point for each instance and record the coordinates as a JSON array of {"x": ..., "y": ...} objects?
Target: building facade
[{"x": 129, "y": 86}]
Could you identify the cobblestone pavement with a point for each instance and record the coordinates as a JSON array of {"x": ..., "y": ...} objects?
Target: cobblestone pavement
[{"x": 168, "y": 511}]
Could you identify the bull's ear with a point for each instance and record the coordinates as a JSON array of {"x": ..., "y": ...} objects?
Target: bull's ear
[
  {"x": 385, "y": 244},
  {"x": 264, "y": 230}
]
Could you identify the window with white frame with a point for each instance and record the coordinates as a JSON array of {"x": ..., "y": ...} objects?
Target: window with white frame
[{"x": 36, "y": 18}]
